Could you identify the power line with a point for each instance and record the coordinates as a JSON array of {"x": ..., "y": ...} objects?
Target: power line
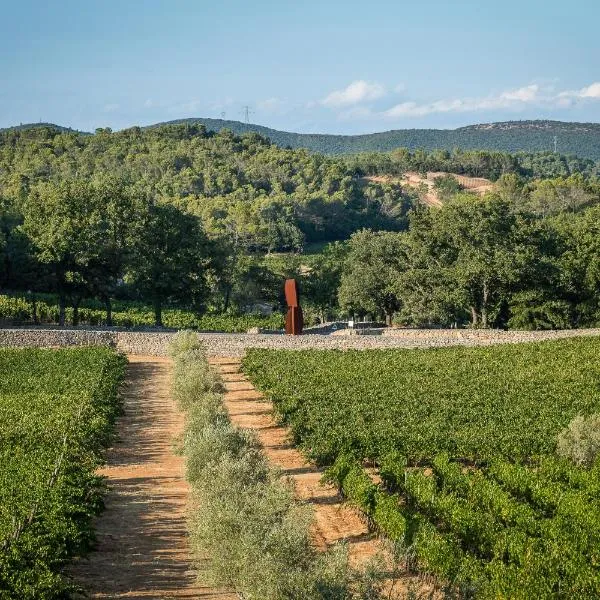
[{"x": 246, "y": 111}]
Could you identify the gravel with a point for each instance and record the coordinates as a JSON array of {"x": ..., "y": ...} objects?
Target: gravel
[{"x": 235, "y": 344}]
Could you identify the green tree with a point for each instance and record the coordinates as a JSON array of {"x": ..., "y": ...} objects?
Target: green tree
[
  {"x": 171, "y": 260},
  {"x": 478, "y": 252},
  {"x": 369, "y": 280},
  {"x": 321, "y": 281},
  {"x": 63, "y": 223}
]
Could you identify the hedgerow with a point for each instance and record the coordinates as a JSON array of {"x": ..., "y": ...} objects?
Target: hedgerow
[
  {"x": 465, "y": 444},
  {"x": 21, "y": 311},
  {"x": 57, "y": 411},
  {"x": 247, "y": 530}
]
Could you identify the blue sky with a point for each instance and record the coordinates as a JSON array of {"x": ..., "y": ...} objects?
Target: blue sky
[{"x": 312, "y": 66}]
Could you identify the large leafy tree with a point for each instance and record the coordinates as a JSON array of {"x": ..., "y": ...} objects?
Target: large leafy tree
[
  {"x": 63, "y": 220},
  {"x": 172, "y": 258},
  {"x": 479, "y": 249},
  {"x": 369, "y": 281}
]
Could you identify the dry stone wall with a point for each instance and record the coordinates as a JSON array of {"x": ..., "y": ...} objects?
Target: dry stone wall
[{"x": 225, "y": 344}]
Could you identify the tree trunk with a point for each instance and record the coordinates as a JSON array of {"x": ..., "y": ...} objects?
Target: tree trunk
[
  {"x": 34, "y": 315},
  {"x": 474, "y": 316},
  {"x": 227, "y": 298},
  {"x": 61, "y": 308},
  {"x": 75, "y": 304},
  {"x": 108, "y": 306},
  {"x": 484, "y": 305},
  {"x": 157, "y": 312}
]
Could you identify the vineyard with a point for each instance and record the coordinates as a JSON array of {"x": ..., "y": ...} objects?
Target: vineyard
[
  {"x": 464, "y": 443},
  {"x": 20, "y": 310},
  {"x": 57, "y": 410}
]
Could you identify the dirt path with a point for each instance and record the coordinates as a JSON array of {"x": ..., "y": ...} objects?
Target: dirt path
[
  {"x": 334, "y": 520},
  {"x": 142, "y": 549}
]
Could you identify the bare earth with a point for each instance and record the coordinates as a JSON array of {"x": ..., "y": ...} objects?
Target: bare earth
[
  {"x": 476, "y": 185},
  {"x": 142, "y": 549}
]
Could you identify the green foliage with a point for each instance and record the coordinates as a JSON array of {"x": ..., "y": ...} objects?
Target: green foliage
[
  {"x": 20, "y": 310},
  {"x": 369, "y": 280},
  {"x": 57, "y": 410},
  {"x": 446, "y": 186},
  {"x": 513, "y": 136},
  {"x": 465, "y": 441},
  {"x": 451, "y": 398},
  {"x": 580, "y": 440},
  {"x": 250, "y": 532},
  {"x": 246, "y": 190},
  {"x": 478, "y": 162}
]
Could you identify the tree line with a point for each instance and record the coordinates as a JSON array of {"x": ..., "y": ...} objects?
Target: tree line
[
  {"x": 474, "y": 163},
  {"x": 171, "y": 216},
  {"x": 180, "y": 217},
  {"x": 477, "y": 262}
]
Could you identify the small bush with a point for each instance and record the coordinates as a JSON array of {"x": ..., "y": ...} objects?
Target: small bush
[
  {"x": 184, "y": 341},
  {"x": 246, "y": 519},
  {"x": 580, "y": 440}
]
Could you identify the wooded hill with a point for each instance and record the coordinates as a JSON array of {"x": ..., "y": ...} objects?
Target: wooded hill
[{"x": 581, "y": 139}]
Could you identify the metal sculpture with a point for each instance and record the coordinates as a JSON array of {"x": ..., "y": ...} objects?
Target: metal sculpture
[{"x": 294, "y": 322}]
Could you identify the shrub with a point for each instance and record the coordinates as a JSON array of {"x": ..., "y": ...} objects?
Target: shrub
[
  {"x": 580, "y": 440},
  {"x": 245, "y": 516}
]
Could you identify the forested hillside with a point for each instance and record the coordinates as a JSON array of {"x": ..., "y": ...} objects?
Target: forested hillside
[
  {"x": 181, "y": 218},
  {"x": 268, "y": 198},
  {"x": 170, "y": 216},
  {"x": 581, "y": 139}
]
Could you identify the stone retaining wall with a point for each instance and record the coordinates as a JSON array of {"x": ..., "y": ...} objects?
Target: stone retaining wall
[{"x": 235, "y": 344}]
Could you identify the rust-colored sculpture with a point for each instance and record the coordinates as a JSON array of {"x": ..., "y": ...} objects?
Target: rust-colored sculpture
[{"x": 294, "y": 322}]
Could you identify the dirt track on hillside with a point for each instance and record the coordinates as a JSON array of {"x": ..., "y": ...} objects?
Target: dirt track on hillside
[{"x": 476, "y": 185}]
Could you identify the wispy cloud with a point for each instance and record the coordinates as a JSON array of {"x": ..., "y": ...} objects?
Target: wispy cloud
[
  {"x": 355, "y": 93},
  {"x": 514, "y": 99},
  {"x": 508, "y": 99},
  {"x": 111, "y": 107},
  {"x": 270, "y": 105},
  {"x": 591, "y": 91}
]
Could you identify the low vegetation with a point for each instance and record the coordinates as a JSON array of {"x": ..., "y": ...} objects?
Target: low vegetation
[
  {"x": 248, "y": 531},
  {"x": 487, "y": 456},
  {"x": 19, "y": 310},
  {"x": 57, "y": 410}
]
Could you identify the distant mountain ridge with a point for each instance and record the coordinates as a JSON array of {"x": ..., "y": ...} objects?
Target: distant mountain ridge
[{"x": 581, "y": 139}]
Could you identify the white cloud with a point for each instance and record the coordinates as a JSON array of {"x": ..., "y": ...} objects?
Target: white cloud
[
  {"x": 525, "y": 94},
  {"x": 530, "y": 95},
  {"x": 357, "y": 92},
  {"x": 591, "y": 91}
]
